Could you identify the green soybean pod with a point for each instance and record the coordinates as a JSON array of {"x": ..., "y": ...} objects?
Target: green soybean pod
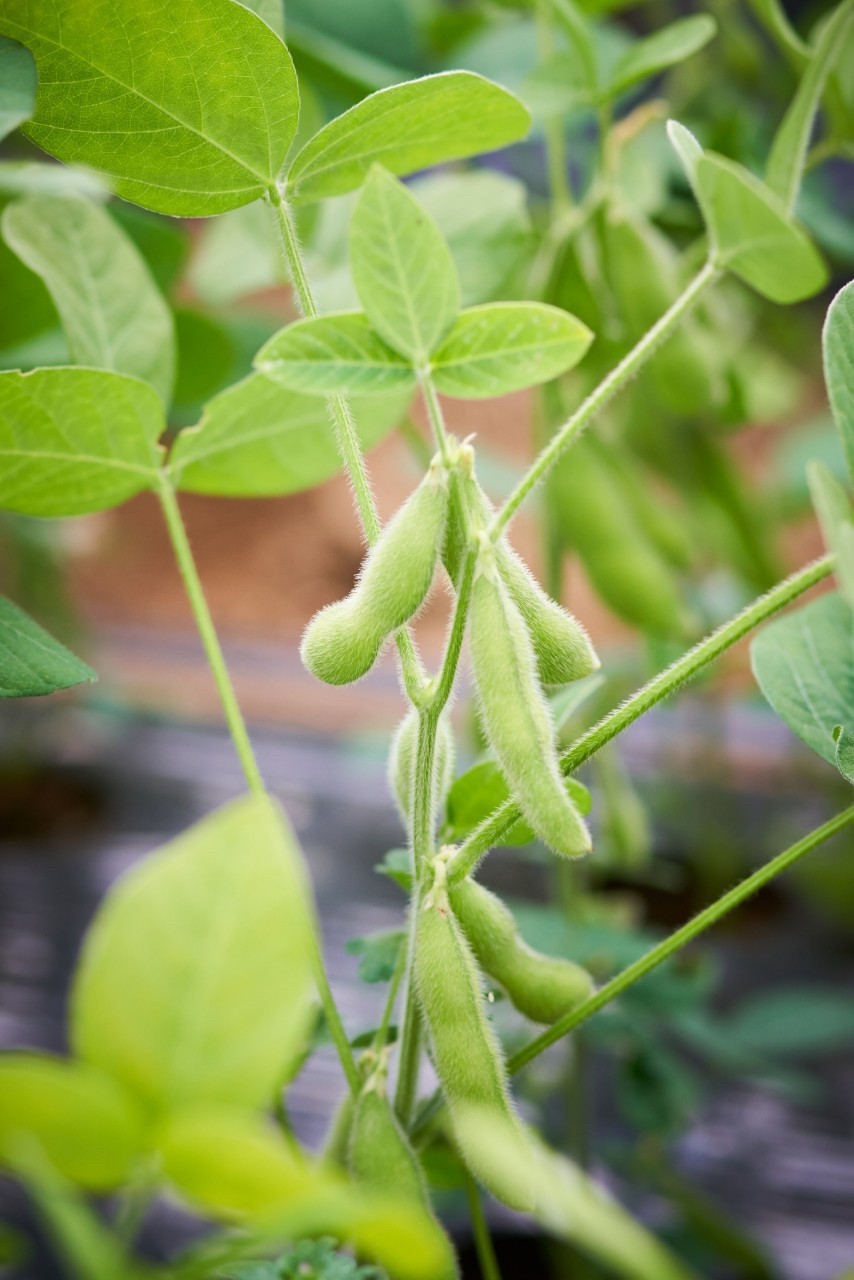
[
  {"x": 343, "y": 641},
  {"x": 465, "y": 1051},
  {"x": 402, "y": 759},
  {"x": 515, "y": 714},
  {"x": 626, "y": 570},
  {"x": 541, "y": 987},
  {"x": 659, "y": 522},
  {"x": 336, "y": 1144}
]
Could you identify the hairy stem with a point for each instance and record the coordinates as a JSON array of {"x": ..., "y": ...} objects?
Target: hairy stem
[
  {"x": 656, "y": 690},
  {"x": 653, "y": 958},
  {"x": 346, "y": 435},
  {"x": 480, "y": 1229},
  {"x": 628, "y": 367},
  {"x": 207, "y": 632}
]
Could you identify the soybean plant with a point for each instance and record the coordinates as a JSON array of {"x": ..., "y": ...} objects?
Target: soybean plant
[{"x": 195, "y": 1001}]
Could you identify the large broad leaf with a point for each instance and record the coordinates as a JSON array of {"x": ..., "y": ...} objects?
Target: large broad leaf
[
  {"x": 258, "y": 439},
  {"x": 804, "y": 664},
  {"x": 407, "y": 127},
  {"x": 17, "y": 85},
  {"x": 788, "y": 152},
  {"x": 504, "y": 346},
  {"x": 402, "y": 268},
  {"x": 31, "y": 661},
  {"x": 665, "y": 48},
  {"x": 195, "y": 980},
  {"x": 83, "y": 1120},
  {"x": 798, "y": 1020},
  {"x": 335, "y": 353},
  {"x": 236, "y": 1166},
  {"x": 752, "y": 234},
  {"x": 75, "y": 440},
  {"x": 113, "y": 314},
  {"x": 838, "y": 344},
  {"x": 190, "y": 106}
]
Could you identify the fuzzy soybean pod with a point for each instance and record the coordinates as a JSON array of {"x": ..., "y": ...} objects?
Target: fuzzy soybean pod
[
  {"x": 401, "y": 762},
  {"x": 515, "y": 714},
  {"x": 465, "y": 1051},
  {"x": 541, "y": 987},
  {"x": 343, "y": 641}
]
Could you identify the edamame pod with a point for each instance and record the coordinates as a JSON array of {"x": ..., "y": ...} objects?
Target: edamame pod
[
  {"x": 401, "y": 762},
  {"x": 465, "y": 1050},
  {"x": 541, "y": 987},
  {"x": 343, "y": 641},
  {"x": 515, "y": 714},
  {"x": 336, "y": 1144}
]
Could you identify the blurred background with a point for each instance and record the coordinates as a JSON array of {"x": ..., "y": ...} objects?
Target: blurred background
[{"x": 718, "y": 1099}]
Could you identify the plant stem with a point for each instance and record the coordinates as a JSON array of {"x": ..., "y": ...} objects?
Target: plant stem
[
  {"x": 622, "y": 373},
  {"x": 710, "y": 916},
  {"x": 346, "y": 435},
  {"x": 434, "y": 411},
  {"x": 656, "y": 690},
  {"x": 482, "y": 1239},
  {"x": 381, "y": 1036},
  {"x": 556, "y": 158},
  {"x": 207, "y": 632}
]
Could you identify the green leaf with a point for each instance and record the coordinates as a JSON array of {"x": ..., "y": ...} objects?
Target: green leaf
[
  {"x": 402, "y": 268},
  {"x": 665, "y": 48},
  {"x": 797, "y": 1020},
  {"x": 235, "y": 1165},
  {"x": 804, "y": 665},
  {"x": 195, "y": 980},
  {"x": 688, "y": 150},
  {"x": 789, "y": 150},
  {"x": 378, "y": 954},
  {"x": 752, "y": 234},
  {"x": 83, "y": 1121},
  {"x": 76, "y": 440},
  {"x": 113, "y": 314},
  {"x": 189, "y": 107},
  {"x": 397, "y": 866},
  {"x": 838, "y": 347},
  {"x": 259, "y": 440},
  {"x": 239, "y": 253},
  {"x": 845, "y": 751},
  {"x": 474, "y": 795},
  {"x": 407, "y": 127},
  {"x": 504, "y": 346},
  {"x": 559, "y": 85},
  {"x": 32, "y": 663},
  {"x": 339, "y": 352},
  {"x": 836, "y": 518},
  {"x": 270, "y": 11},
  {"x": 17, "y": 85}
]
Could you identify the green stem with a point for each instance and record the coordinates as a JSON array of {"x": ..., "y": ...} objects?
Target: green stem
[
  {"x": 480, "y": 1229},
  {"x": 381, "y": 1037},
  {"x": 207, "y": 632},
  {"x": 710, "y": 916},
  {"x": 556, "y": 158},
  {"x": 628, "y": 367},
  {"x": 346, "y": 435},
  {"x": 434, "y": 412},
  {"x": 656, "y": 690}
]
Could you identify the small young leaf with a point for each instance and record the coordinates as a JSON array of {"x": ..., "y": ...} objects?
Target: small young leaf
[
  {"x": 505, "y": 346},
  {"x": 378, "y": 954},
  {"x": 844, "y": 751},
  {"x": 838, "y": 344},
  {"x": 83, "y": 1121},
  {"x": 190, "y": 107},
  {"x": 402, "y": 268},
  {"x": 219, "y": 1008},
  {"x": 32, "y": 663},
  {"x": 76, "y": 440},
  {"x": 804, "y": 665},
  {"x": 788, "y": 151},
  {"x": 688, "y": 150},
  {"x": 397, "y": 866},
  {"x": 407, "y": 127},
  {"x": 752, "y": 234},
  {"x": 113, "y": 314},
  {"x": 327, "y": 354},
  {"x": 665, "y": 48},
  {"x": 481, "y": 789},
  {"x": 259, "y": 440},
  {"x": 17, "y": 85}
]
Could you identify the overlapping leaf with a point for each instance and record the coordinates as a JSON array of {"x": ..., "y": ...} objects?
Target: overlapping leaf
[
  {"x": 838, "y": 344},
  {"x": 32, "y": 663},
  {"x": 17, "y": 85},
  {"x": 335, "y": 353}
]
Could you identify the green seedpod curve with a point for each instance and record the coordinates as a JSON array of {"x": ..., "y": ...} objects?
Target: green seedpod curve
[
  {"x": 562, "y": 646},
  {"x": 401, "y": 762},
  {"x": 344, "y": 640},
  {"x": 515, "y": 714},
  {"x": 627, "y": 571},
  {"x": 465, "y": 1050},
  {"x": 541, "y": 987},
  {"x": 336, "y": 1145},
  {"x": 659, "y": 522}
]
